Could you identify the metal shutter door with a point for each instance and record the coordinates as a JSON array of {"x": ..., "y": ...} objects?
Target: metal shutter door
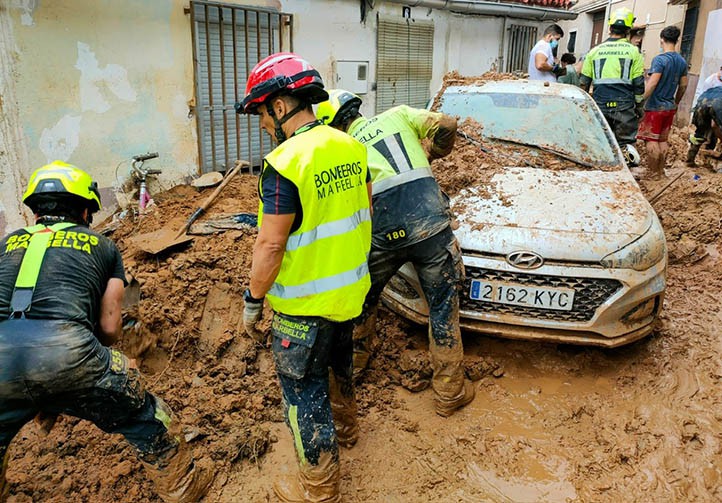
[
  {"x": 404, "y": 49},
  {"x": 221, "y": 74}
]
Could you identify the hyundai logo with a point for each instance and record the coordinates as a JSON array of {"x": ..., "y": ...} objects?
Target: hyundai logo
[{"x": 525, "y": 260}]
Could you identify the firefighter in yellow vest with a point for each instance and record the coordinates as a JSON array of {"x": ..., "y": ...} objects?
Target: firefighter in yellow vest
[
  {"x": 310, "y": 263},
  {"x": 411, "y": 223},
  {"x": 615, "y": 70},
  {"x": 61, "y": 290}
]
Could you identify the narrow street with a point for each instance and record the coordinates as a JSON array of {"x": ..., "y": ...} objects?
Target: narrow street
[{"x": 550, "y": 422}]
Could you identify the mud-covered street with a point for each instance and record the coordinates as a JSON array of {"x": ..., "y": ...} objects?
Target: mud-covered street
[{"x": 550, "y": 422}]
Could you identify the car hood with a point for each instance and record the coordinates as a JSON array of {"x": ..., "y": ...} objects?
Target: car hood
[{"x": 562, "y": 215}]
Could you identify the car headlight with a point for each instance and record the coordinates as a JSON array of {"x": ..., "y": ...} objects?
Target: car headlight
[{"x": 641, "y": 254}]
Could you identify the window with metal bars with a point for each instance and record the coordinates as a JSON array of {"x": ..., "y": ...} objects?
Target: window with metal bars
[
  {"x": 521, "y": 41},
  {"x": 228, "y": 41}
]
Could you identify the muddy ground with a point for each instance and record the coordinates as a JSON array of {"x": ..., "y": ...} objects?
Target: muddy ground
[{"x": 550, "y": 422}]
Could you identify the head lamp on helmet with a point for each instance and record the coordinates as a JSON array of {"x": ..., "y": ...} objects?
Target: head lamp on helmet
[
  {"x": 59, "y": 180},
  {"x": 622, "y": 18},
  {"x": 339, "y": 108},
  {"x": 281, "y": 73}
]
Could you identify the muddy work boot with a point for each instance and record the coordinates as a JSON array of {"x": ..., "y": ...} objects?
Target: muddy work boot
[
  {"x": 4, "y": 486},
  {"x": 445, "y": 406},
  {"x": 313, "y": 484},
  {"x": 343, "y": 409},
  {"x": 363, "y": 343},
  {"x": 178, "y": 479},
  {"x": 452, "y": 390}
]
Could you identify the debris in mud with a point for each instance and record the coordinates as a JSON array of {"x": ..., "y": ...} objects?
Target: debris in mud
[
  {"x": 691, "y": 209},
  {"x": 477, "y": 368},
  {"x": 250, "y": 443}
]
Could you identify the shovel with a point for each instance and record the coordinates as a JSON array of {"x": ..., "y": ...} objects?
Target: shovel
[{"x": 163, "y": 239}]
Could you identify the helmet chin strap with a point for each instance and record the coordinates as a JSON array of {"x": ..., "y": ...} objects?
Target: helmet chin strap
[{"x": 278, "y": 123}]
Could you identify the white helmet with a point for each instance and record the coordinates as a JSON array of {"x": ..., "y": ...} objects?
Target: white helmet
[{"x": 631, "y": 155}]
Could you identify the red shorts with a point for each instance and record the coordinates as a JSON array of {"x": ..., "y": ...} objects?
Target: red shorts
[{"x": 655, "y": 125}]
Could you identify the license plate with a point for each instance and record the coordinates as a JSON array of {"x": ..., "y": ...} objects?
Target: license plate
[{"x": 561, "y": 299}]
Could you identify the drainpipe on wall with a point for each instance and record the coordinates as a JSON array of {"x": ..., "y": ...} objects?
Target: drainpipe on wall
[
  {"x": 500, "y": 69},
  {"x": 491, "y": 8},
  {"x": 13, "y": 151}
]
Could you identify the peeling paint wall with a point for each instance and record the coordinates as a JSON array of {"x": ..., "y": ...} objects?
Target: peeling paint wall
[
  {"x": 93, "y": 82},
  {"x": 97, "y": 81},
  {"x": 13, "y": 159}
]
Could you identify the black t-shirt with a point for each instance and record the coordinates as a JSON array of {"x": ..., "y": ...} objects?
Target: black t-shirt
[{"x": 76, "y": 269}]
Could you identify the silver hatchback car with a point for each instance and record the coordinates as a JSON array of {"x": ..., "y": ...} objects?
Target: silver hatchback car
[{"x": 573, "y": 254}]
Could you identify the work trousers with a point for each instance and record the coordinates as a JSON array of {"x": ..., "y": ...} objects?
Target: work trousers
[
  {"x": 624, "y": 124},
  {"x": 304, "y": 349},
  {"x": 439, "y": 265},
  {"x": 59, "y": 367}
]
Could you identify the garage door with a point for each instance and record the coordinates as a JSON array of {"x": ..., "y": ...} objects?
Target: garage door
[
  {"x": 405, "y": 50},
  {"x": 228, "y": 42}
]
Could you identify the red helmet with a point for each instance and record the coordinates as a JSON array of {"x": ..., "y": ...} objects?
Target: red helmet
[{"x": 283, "y": 72}]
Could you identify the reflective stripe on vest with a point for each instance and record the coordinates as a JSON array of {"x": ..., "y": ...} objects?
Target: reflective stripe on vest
[
  {"x": 627, "y": 82},
  {"x": 396, "y": 155},
  {"x": 27, "y": 279},
  {"x": 329, "y": 229},
  {"x": 322, "y": 285},
  {"x": 400, "y": 179}
]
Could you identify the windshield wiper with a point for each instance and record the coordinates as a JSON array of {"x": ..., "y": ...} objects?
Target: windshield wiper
[
  {"x": 546, "y": 149},
  {"x": 481, "y": 147}
]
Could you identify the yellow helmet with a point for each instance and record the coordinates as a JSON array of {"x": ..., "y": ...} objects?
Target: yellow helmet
[
  {"x": 340, "y": 106},
  {"x": 622, "y": 17},
  {"x": 60, "y": 178}
]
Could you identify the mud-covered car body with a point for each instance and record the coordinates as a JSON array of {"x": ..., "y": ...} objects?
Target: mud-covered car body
[{"x": 572, "y": 255}]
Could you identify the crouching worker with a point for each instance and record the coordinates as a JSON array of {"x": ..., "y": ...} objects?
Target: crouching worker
[
  {"x": 61, "y": 289},
  {"x": 411, "y": 223},
  {"x": 309, "y": 261},
  {"x": 707, "y": 120}
]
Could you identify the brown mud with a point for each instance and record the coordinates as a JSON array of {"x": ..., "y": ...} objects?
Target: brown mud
[{"x": 550, "y": 422}]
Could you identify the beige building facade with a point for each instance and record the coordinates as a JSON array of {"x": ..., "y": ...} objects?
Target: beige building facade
[
  {"x": 694, "y": 18},
  {"x": 94, "y": 82},
  {"x": 591, "y": 27}
]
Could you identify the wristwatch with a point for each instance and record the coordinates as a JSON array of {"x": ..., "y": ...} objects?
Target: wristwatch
[{"x": 247, "y": 297}]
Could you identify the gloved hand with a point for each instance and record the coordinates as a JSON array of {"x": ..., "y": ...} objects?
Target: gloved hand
[
  {"x": 252, "y": 314},
  {"x": 694, "y": 140}
]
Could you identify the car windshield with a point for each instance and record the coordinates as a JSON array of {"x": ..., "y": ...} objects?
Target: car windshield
[{"x": 560, "y": 123}]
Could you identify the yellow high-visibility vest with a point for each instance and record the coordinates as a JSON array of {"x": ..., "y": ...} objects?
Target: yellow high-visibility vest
[
  {"x": 324, "y": 270},
  {"x": 396, "y": 155}
]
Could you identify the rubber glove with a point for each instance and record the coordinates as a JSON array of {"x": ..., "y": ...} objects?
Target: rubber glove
[{"x": 252, "y": 314}]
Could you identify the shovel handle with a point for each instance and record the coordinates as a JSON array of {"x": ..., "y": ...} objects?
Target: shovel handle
[
  {"x": 212, "y": 197},
  {"x": 660, "y": 192}
]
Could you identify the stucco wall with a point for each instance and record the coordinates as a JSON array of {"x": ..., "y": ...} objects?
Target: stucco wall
[
  {"x": 92, "y": 82},
  {"x": 99, "y": 81},
  {"x": 469, "y": 44}
]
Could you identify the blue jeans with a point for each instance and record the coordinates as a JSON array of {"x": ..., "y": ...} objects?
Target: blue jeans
[
  {"x": 303, "y": 361},
  {"x": 59, "y": 367}
]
